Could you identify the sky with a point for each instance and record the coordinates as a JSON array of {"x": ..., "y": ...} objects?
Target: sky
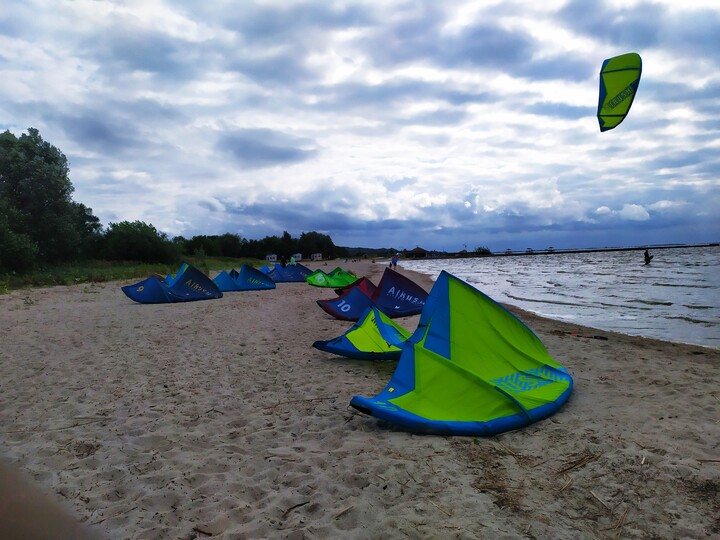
[{"x": 388, "y": 123}]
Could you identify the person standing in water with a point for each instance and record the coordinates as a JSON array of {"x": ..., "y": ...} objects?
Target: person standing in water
[{"x": 648, "y": 257}]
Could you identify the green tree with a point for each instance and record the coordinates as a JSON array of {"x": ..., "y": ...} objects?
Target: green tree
[
  {"x": 231, "y": 245},
  {"x": 34, "y": 181},
  {"x": 17, "y": 250},
  {"x": 138, "y": 241},
  {"x": 314, "y": 242}
]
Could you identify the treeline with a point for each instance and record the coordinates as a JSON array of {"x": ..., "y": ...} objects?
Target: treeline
[
  {"x": 40, "y": 224},
  {"x": 232, "y": 245}
]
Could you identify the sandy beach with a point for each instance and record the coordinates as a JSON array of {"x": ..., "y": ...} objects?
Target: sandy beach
[{"x": 217, "y": 419}]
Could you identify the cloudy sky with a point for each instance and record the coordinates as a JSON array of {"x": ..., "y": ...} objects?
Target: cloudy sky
[{"x": 381, "y": 123}]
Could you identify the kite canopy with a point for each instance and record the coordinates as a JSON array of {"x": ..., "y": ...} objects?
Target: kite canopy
[
  {"x": 619, "y": 80},
  {"x": 395, "y": 295},
  {"x": 337, "y": 278},
  {"x": 248, "y": 278},
  {"x": 189, "y": 284},
  {"x": 291, "y": 273},
  {"x": 371, "y": 338},
  {"x": 470, "y": 368},
  {"x": 365, "y": 285}
]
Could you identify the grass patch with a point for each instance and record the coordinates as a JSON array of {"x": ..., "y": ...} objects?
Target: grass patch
[{"x": 101, "y": 271}]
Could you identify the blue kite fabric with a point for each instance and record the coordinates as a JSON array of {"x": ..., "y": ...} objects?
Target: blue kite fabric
[
  {"x": 188, "y": 285},
  {"x": 395, "y": 295},
  {"x": 470, "y": 368},
  {"x": 290, "y": 274},
  {"x": 248, "y": 278}
]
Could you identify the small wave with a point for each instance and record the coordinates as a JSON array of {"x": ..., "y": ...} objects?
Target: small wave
[
  {"x": 683, "y": 285},
  {"x": 652, "y": 302},
  {"x": 625, "y": 306},
  {"x": 709, "y": 324},
  {"x": 690, "y": 306},
  {"x": 536, "y": 301}
]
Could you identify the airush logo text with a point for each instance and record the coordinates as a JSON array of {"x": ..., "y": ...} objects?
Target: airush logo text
[
  {"x": 622, "y": 96},
  {"x": 399, "y": 294},
  {"x": 197, "y": 287}
]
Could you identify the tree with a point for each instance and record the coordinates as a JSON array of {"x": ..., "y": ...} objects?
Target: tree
[
  {"x": 231, "y": 245},
  {"x": 34, "y": 181},
  {"x": 17, "y": 250},
  {"x": 314, "y": 242},
  {"x": 138, "y": 241}
]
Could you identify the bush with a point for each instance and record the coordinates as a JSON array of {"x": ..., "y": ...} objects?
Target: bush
[{"x": 18, "y": 252}]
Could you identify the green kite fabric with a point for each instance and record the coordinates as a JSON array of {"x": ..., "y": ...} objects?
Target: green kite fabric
[
  {"x": 470, "y": 368},
  {"x": 337, "y": 278},
  {"x": 619, "y": 80}
]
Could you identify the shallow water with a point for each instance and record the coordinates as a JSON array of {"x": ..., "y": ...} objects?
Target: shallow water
[{"x": 676, "y": 297}]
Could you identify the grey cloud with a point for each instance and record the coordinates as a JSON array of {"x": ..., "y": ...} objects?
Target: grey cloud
[
  {"x": 16, "y": 20},
  {"x": 684, "y": 159},
  {"x": 273, "y": 24},
  {"x": 560, "y": 110},
  {"x": 260, "y": 148},
  {"x": 97, "y": 130},
  {"x": 637, "y": 27},
  {"x": 487, "y": 46},
  {"x": 440, "y": 117},
  {"x": 274, "y": 42},
  {"x": 693, "y": 32},
  {"x": 128, "y": 47}
]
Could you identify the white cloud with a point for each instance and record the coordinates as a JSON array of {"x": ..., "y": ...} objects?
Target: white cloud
[{"x": 634, "y": 212}]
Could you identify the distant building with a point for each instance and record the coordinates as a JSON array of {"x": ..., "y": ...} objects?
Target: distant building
[
  {"x": 316, "y": 257},
  {"x": 271, "y": 258},
  {"x": 417, "y": 253},
  {"x": 298, "y": 257}
]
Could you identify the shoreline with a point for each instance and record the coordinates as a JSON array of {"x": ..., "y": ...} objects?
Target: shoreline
[
  {"x": 526, "y": 309},
  {"x": 217, "y": 418},
  {"x": 440, "y": 255},
  {"x": 427, "y": 281}
]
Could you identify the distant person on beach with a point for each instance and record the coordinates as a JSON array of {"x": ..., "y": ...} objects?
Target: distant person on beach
[
  {"x": 292, "y": 260},
  {"x": 648, "y": 257},
  {"x": 283, "y": 262},
  {"x": 393, "y": 261}
]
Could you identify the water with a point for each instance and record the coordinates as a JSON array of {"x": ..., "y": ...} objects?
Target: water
[{"x": 674, "y": 298}]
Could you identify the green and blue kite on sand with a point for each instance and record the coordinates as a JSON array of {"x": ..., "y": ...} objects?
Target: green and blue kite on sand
[
  {"x": 374, "y": 337},
  {"x": 470, "y": 368}
]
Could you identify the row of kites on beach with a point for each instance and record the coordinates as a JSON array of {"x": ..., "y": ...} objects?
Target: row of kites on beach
[{"x": 469, "y": 368}]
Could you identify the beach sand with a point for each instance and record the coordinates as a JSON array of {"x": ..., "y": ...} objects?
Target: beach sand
[{"x": 217, "y": 419}]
